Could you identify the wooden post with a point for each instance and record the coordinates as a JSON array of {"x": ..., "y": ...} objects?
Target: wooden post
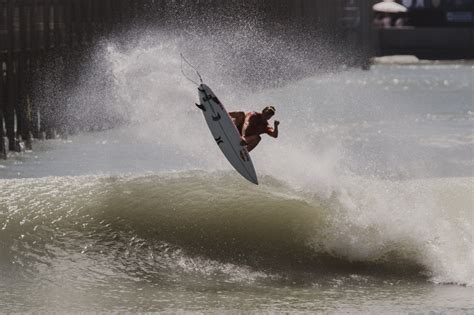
[
  {"x": 35, "y": 108},
  {"x": 45, "y": 112},
  {"x": 33, "y": 26},
  {"x": 2, "y": 97},
  {"x": 100, "y": 23},
  {"x": 67, "y": 16},
  {"x": 31, "y": 16},
  {"x": 88, "y": 21},
  {"x": 366, "y": 42},
  {"x": 108, "y": 13},
  {"x": 75, "y": 23},
  {"x": 57, "y": 29},
  {"x": 46, "y": 24},
  {"x": 33, "y": 63},
  {"x": 79, "y": 23},
  {"x": 23, "y": 122},
  {"x": 119, "y": 12},
  {"x": 4, "y": 146},
  {"x": 23, "y": 109},
  {"x": 93, "y": 17},
  {"x": 9, "y": 113}
]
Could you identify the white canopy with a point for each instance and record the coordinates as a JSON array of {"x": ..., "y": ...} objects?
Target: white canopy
[{"x": 389, "y": 7}]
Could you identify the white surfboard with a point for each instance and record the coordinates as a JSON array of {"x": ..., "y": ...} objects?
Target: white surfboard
[{"x": 225, "y": 133}]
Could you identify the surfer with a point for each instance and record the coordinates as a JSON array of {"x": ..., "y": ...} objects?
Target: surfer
[{"x": 251, "y": 125}]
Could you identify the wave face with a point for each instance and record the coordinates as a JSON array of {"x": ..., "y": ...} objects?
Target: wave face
[{"x": 199, "y": 222}]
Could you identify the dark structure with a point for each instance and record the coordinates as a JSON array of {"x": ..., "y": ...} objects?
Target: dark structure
[
  {"x": 44, "y": 38},
  {"x": 33, "y": 32},
  {"x": 344, "y": 23},
  {"x": 431, "y": 29}
]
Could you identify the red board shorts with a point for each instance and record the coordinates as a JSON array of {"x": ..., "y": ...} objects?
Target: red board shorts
[{"x": 252, "y": 139}]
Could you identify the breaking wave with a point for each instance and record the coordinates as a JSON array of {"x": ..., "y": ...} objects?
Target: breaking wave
[{"x": 199, "y": 222}]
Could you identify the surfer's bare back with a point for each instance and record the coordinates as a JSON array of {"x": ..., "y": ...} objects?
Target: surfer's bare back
[{"x": 252, "y": 124}]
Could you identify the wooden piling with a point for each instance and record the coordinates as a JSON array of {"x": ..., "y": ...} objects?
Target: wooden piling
[
  {"x": 4, "y": 145},
  {"x": 366, "y": 19},
  {"x": 88, "y": 29},
  {"x": 46, "y": 24},
  {"x": 22, "y": 78},
  {"x": 2, "y": 93},
  {"x": 9, "y": 110}
]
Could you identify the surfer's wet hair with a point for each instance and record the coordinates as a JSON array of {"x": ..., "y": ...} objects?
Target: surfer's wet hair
[{"x": 269, "y": 109}]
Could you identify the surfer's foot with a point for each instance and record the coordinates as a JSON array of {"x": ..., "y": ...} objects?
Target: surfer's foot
[{"x": 243, "y": 142}]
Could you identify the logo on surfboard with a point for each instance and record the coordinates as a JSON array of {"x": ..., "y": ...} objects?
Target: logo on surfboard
[
  {"x": 244, "y": 155},
  {"x": 219, "y": 140},
  {"x": 217, "y": 117}
]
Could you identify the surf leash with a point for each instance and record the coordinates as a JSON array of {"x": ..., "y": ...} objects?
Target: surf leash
[{"x": 194, "y": 68}]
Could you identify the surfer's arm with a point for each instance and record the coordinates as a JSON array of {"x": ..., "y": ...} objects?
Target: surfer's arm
[{"x": 273, "y": 132}]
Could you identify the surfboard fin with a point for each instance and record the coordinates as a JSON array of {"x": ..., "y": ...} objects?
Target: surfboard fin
[{"x": 201, "y": 107}]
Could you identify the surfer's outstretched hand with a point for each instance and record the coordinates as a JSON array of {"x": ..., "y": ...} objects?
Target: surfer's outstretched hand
[{"x": 277, "y": 122}]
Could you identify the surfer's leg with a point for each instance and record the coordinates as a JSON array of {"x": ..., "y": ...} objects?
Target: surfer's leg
[
  {"x": 238, "y": 118},
  {"x": 252, "y": 142}
]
